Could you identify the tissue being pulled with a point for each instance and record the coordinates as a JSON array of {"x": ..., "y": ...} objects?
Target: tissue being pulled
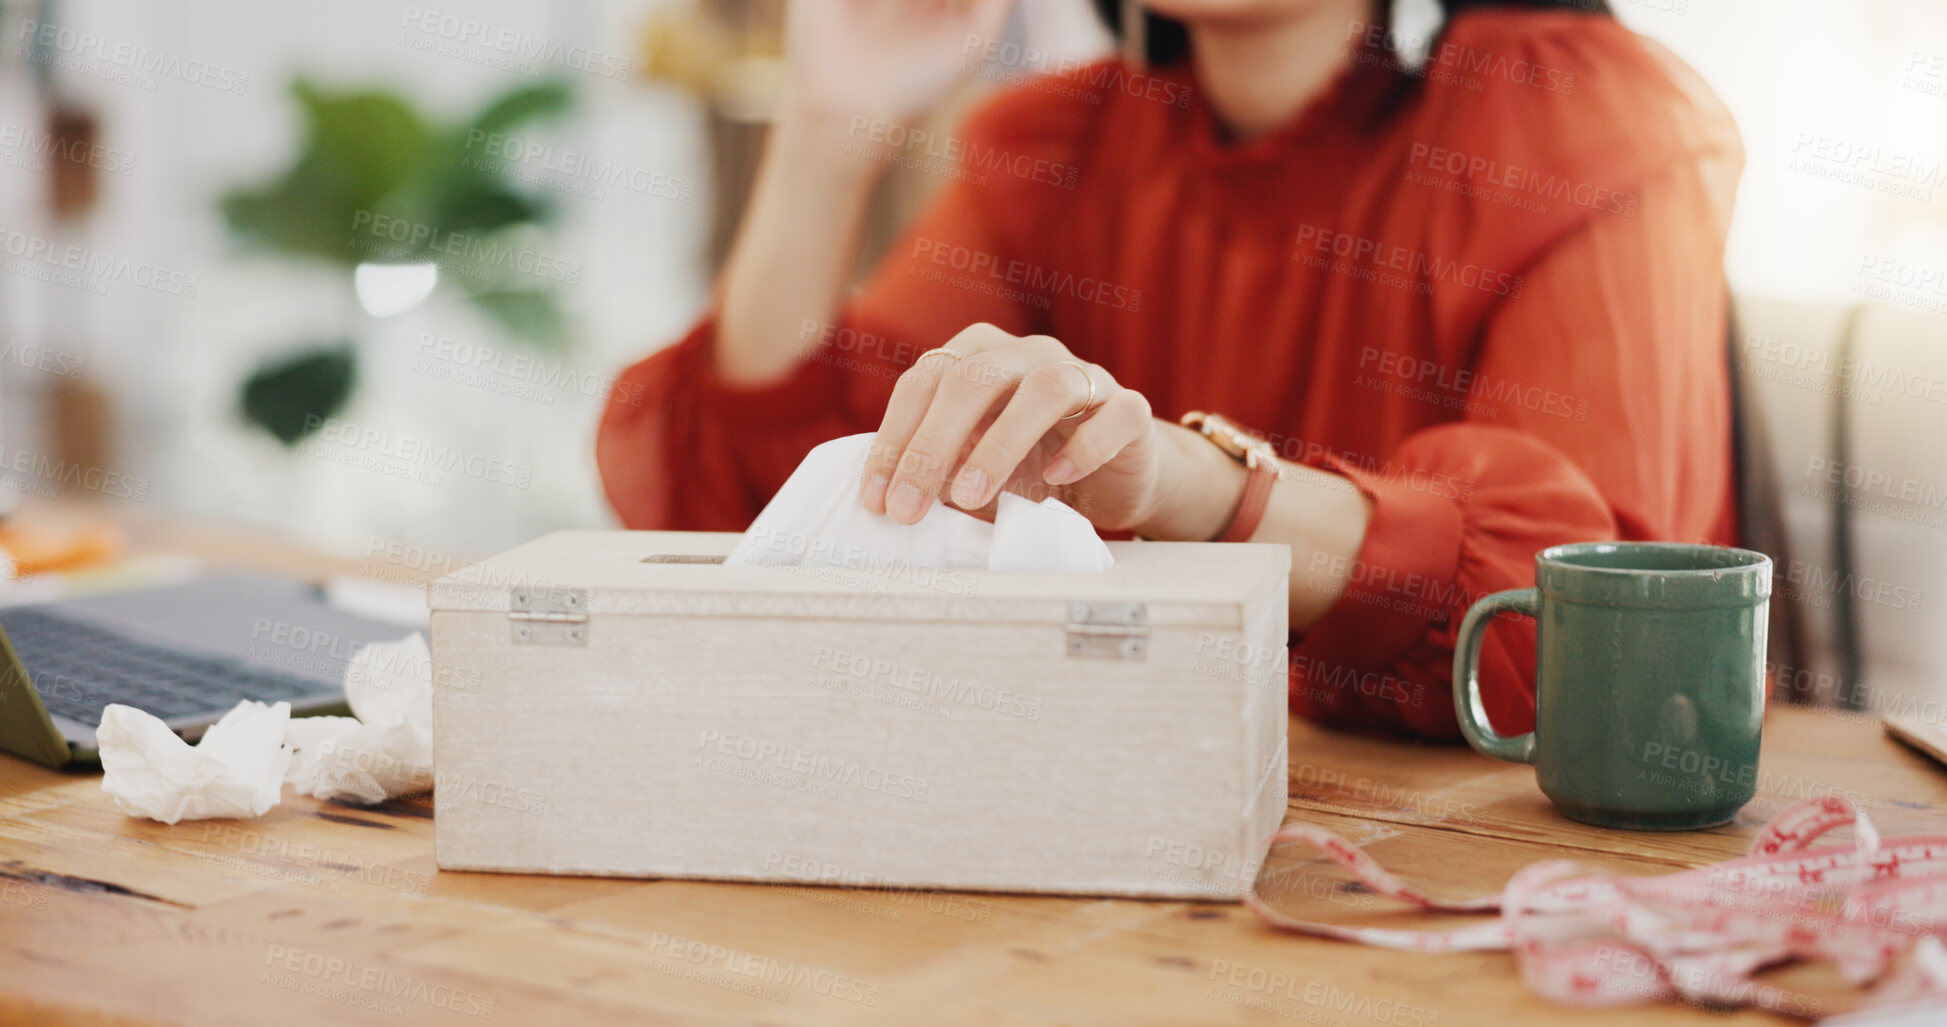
[
  {"x": 816, "y": 519},
  {"x": 237, "y": 770}
]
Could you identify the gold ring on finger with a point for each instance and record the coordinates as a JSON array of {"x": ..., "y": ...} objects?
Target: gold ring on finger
[
  {"x": 937, "y": 349},
  {"x": 1086, "y": 403}
]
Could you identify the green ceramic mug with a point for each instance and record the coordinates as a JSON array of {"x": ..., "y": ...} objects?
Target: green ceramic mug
[{"x": 1649, "y": 681}]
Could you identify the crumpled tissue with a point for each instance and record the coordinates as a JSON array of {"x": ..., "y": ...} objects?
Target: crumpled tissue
[
  {"x": 387, "y": 749},
  {"x": 817, "y": 520},
  {"x": 239, "y": 768},
  {"x": 236, "y": 770}
]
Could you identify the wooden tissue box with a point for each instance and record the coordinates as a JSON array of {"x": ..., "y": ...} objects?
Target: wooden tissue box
[{"x": 619, "y": 703}]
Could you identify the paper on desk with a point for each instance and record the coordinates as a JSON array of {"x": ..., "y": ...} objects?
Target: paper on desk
[
  {"x": 237, "y": 770},
  {"x": 387, "y": 749},
  {"x": 816, "y": 520}
]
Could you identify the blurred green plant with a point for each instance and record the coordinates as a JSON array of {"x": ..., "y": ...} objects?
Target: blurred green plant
[
  {"x": 376, "y": 181},
  {"x": 289, "y": 396}
]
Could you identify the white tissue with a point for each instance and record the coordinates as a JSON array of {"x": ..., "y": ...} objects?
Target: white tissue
[
  {"x": 240, "y": 766},
  {"x": 1044, "y": 536},
  {"x": 237, "y": 770},
  {"x": 816, "y": 520},
  {"x": 387, "y": 750}
]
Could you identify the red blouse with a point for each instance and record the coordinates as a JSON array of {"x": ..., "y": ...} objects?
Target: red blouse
[{"x": 1491, "y": 294}]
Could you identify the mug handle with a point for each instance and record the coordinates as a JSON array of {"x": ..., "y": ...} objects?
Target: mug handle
[{"x": 1467, "y": 676}]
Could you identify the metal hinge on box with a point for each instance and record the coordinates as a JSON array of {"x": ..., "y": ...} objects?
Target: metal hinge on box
[
  {"x": 555, "y": 617},
  {"x": 1116, "y": 631}
]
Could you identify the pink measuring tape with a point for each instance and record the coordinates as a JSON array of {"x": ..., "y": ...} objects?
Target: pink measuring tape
[{"x": 1590, "y": 939}]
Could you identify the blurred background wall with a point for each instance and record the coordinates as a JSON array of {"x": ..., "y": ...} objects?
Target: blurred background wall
[{"x": 133, "y": 311}]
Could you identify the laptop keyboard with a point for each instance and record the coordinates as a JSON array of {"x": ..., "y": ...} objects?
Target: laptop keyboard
[{"x": 79, "y": 668}]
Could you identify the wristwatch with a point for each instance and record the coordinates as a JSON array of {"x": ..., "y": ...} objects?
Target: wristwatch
[{"x": 1256, "y": 455}]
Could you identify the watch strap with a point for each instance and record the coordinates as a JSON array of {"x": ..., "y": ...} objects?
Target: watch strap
[
  {"x": 1260, "y": 461},
  {"x": 1257, "y": 499}
]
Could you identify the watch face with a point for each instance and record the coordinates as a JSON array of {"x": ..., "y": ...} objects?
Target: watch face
[
  {"x": 1239, "y": 444},
  {"x": 1228, "y": 439}
]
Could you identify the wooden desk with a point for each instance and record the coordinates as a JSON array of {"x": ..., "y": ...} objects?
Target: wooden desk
[{"x": 322, "y": 913}]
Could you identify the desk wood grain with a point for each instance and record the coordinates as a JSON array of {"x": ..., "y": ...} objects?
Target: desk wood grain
[{"x": 326, "y": 913}]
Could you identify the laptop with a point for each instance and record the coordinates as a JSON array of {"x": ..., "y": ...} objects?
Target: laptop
[{"x": 186, "y": 653}]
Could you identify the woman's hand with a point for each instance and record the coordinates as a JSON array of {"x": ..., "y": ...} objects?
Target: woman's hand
[
  {"x": 1000, "y": 411},
  {"x": 882, "y": 59}
]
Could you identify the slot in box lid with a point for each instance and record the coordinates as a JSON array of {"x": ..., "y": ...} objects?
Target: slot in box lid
[{"x": 1178, "y": 584}]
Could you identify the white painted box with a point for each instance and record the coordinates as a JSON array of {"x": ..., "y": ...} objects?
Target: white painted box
[{"x": 620, "y": 704}]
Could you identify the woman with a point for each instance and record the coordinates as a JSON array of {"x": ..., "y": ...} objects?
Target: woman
[{"x": 1475, "y": 308}]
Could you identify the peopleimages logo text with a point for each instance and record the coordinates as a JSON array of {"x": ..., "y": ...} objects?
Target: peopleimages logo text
[
  {"x": 1358, "y": 251},
  {"x": 1034, "y": 279},
  {"x": 58, "y": 39},
  {"x": 94, "y": 267},
  {"x": 514, "y": 42},
  {"x": 972, "y": 155}
]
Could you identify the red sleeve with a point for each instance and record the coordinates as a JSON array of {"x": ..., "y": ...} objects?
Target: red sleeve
[
  {"x": 678, "y": 448},
  {"x": 1597, "y": 409}
]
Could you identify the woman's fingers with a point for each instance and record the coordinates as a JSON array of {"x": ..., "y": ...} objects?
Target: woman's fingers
[
  {"x": 1046, "y": 395},
  {"x": 911, "y": 398},
  {"x": 1121, "y": 420},
  {"x": 911, "y": 395},
  {"x": 933, "y": 423},
  {"x": 961, "y": 402}
]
